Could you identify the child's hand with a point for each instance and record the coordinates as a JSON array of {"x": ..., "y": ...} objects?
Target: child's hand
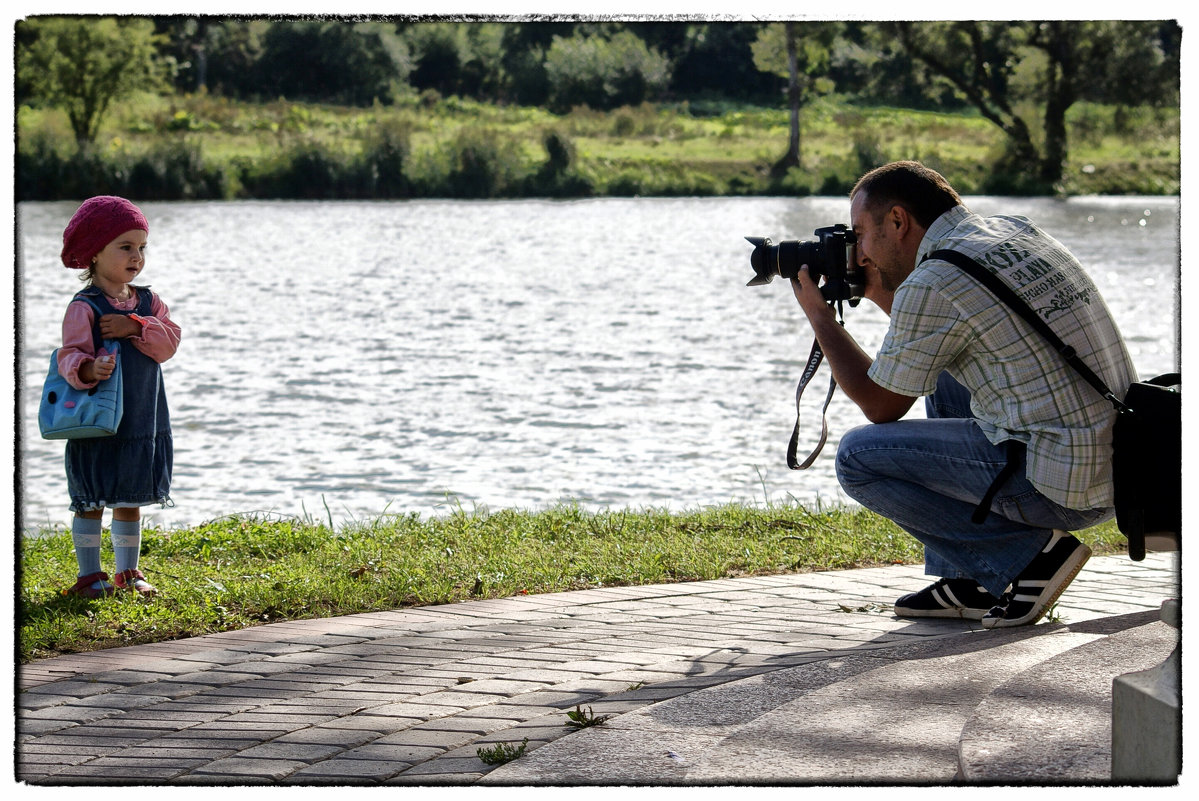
[
  {"x": 119, "y": 326},
  {"x": 101, "y": 369}
]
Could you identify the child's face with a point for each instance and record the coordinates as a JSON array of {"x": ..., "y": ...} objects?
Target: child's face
[{"x": 122, "y": 258}]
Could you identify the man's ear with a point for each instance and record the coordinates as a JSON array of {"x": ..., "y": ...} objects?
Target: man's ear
[{"x": 900, "y": 220}]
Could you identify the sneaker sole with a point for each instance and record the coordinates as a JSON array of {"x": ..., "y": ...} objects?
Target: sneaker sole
[
  {"x": 949, "y": 606},
  {"x": 955, "y": 614},
  {"x": 1053, "y": 590}
]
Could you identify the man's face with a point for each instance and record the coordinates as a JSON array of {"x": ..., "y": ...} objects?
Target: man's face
[{"x": 877, "y": 248}]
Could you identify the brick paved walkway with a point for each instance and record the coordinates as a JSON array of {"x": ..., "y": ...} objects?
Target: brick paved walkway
[{"x": 410, "y": 696}]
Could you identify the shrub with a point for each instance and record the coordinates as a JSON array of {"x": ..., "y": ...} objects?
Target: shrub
[
  {"x": 385, "y": 159},
  {"x": 482, "y": 164},
  {"x": 558, "y": 176},
  {"x": 304, "y": 170},
  {"x": 175, "y": 170}
]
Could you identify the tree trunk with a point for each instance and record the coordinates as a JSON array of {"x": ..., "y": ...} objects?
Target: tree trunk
[
  {"x": 792, "y": 157},
  {"x": 1059, "y": 96}
]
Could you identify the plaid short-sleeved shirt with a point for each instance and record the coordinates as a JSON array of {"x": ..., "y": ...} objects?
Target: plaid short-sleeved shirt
[{"x": 1022, "y": 389}]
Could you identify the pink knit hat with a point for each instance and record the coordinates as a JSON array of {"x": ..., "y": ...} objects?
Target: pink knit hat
[{"x": 96, "y": 223}]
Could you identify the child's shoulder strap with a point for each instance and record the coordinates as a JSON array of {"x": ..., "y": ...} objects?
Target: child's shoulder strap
[
  {"x": 88, "y": 296},
  {"x": 145, "y": 299}
]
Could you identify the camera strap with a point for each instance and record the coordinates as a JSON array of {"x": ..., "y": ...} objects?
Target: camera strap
[{"x": 814, "y": 359}]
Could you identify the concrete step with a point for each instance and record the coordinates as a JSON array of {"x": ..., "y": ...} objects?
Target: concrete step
[
  {"x": 1053, "y": 722},
  {"x": 892, "y": 715}
]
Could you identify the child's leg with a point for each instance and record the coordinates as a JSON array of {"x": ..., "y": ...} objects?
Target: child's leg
[
  {"x": 85, "y": 534},
  {"x": 126, "y": 547}
]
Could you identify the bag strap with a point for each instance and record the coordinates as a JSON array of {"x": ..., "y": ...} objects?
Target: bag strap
[{"x": 1008, "y": 295}]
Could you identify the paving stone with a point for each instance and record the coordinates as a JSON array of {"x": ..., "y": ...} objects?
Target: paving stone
[
  {"x": 291, "y": 721},
  {"x": 106, "y": 774},
  {"x": 162, "y": 767},
  {"x": 159, "y": 749},
  {"x": 445, "y": 766},
  {"x": 72, "y": 714},
  {"x": 338, "y": 771},
  {"x": 71, "y": 688},
  {"x": 243, "y": 768},
  {"x": 461, "y": 695},
  {"x": 301, "y": 752},
  {"x": 375, "y": 723},
  {"x": 475, "y": 726},
  {"x": 444, "y": 739},
  {"x": 391, "y": 752},
  {"x": 406, "y": 709},
  {"x": 514, "y": 711},
  {"x": 535, "y": 734}
]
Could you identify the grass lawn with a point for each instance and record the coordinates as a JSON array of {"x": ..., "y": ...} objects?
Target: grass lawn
[{"x": 243, "y": 571}]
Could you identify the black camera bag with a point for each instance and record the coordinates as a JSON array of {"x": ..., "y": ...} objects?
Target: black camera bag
[
  {"x": 1147, "y": 461},
  {"x": 1147, "y": 440}
]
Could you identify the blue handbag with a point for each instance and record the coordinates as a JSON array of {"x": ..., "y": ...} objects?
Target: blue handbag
[{"x": 69, "y": 413}]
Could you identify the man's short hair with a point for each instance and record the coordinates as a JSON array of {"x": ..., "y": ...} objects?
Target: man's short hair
[{"x": 923, "y": 192}]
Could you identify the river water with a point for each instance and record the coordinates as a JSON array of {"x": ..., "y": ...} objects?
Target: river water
[{"x": 347, "y": 360}]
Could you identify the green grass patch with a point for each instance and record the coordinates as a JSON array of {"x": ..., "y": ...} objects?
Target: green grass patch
[
  {"x": 204, "y": 147},
  {"x": 244, "y": 571}
]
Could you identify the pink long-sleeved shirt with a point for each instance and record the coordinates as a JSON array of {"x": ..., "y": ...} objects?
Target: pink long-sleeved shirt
[{"x": 159, "y": 339}]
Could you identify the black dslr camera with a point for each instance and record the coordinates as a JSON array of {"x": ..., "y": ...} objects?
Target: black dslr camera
[{"x": 831, "y": 255}]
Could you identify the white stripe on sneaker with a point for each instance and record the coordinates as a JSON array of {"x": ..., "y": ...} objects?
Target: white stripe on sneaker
[{"x": 940, "y": 598}]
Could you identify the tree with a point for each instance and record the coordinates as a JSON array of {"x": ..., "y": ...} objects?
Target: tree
[
  {"x": 330, "y": 61},
  {"x": 189, "y": 40},
  {"x": 800, "y": 53},
  {"x": 457, "y": 58},
  {"x": 1003, "y": 68},
  {"x": 85, "y": 64},
  {"x": 717, "y": 61},
  {"x": 604, "y": 72}
]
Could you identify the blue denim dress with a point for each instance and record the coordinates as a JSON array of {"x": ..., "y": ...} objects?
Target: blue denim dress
[{"x": 132, "y": 467}]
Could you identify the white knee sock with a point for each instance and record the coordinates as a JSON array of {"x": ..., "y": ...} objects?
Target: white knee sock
[
  {"x": 85, "y": 534},
  {"x": 126, "y": 543}
]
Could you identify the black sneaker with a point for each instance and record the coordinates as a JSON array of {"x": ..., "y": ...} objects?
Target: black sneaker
[
  {"x": 1039, "y": 584},
  {"x": 956, "y": 597}
]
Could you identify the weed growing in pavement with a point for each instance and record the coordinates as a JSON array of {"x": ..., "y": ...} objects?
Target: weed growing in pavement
[
  {"x": 502, "y": 752},
  {"x": 581, "y": 720}
]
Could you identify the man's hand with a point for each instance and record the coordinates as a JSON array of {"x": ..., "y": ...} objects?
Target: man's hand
[
  {"x": 119, "y": 326},
  {"x": 810, "y": 298}
]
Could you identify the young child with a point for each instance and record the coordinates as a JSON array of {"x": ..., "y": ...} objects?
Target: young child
[{"x": 107, "y": 239}]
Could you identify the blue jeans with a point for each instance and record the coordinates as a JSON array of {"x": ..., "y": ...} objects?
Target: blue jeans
[{"x": 929, "y": 475}]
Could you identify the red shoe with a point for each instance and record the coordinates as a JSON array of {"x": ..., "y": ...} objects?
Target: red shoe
[
  {"x": 83, "y": 587},
  {"x": 133, "y": 579}
]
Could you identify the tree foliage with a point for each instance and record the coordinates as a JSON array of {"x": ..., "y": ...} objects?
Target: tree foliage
[
  {"x": 603, "y": 72},
  {"x": 1025, "y": 76},
  {"x": 86, "y": 64},
  {"x": 350, "y": 63}
]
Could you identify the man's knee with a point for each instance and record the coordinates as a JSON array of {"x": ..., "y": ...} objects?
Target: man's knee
[{"x": 850, "y": 470}]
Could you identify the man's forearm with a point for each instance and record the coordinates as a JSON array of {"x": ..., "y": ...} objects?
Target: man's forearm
[{"x": 850, "y": 364}]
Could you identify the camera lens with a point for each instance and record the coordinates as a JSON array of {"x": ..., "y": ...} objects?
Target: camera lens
[{"x": 783, "y": 259}]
